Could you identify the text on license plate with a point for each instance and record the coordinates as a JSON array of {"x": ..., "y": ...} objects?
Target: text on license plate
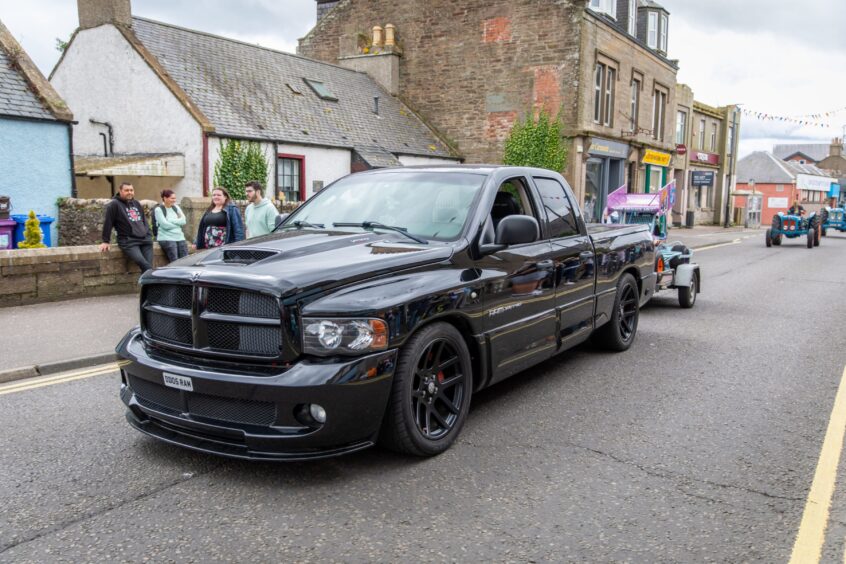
[{"x": 178, "y": 382}]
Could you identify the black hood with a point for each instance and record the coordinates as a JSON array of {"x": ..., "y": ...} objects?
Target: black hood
[{"x": 291, "y": 262}]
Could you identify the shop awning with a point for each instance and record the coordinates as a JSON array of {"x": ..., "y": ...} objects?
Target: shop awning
[{"x": 170, "y": 164}]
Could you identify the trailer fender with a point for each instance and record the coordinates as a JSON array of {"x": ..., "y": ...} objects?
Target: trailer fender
[{"x": 685, "y": 273}]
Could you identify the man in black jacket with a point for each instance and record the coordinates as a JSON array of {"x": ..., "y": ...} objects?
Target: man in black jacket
[{"x": 125, "y": 214}]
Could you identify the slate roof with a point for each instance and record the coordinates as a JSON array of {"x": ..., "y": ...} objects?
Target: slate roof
[
  {"x": 24, "y": 92},
  {"x": 253, "y": 92},
  {"x": 815, "y": 151},
  {"x": 765, "y": 168}
]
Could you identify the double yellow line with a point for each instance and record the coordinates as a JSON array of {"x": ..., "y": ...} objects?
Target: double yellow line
[{"x": 35, "y": 383}]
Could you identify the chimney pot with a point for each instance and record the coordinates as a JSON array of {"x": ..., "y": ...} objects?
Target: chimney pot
[
  {"x": 390, "y": 35},
  {"x": 94, "y": 13},
  {"x": 377, "y": 36}
]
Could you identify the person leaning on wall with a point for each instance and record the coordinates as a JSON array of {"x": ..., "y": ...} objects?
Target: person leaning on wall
[
  {"x": 125, "y": 215},
  {"x": 169, "y": 222}
]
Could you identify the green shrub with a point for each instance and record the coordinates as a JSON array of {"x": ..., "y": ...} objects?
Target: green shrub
[
  {"x": 537, "y": 143},
  {"x": 238, "y": 163}
]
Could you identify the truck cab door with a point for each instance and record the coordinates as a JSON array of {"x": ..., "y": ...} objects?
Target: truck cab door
[
  {"x": 575, "y": 263},
  {"x": 520, "y": 317}
]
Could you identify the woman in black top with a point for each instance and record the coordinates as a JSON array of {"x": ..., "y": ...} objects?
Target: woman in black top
[{"x": 221, "y": 224}]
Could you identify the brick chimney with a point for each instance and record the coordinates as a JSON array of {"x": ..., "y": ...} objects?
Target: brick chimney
[
  {"x": 836, "y": 149},
  {"x": 94, "y": 13}
]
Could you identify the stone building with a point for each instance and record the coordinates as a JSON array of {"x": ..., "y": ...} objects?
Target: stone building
[
  {"x": 35, "y": 136},
  {"x": 472, "y": 69},
  {"x": 835, "y": 162},
  {"x": 154, "y": 102}
]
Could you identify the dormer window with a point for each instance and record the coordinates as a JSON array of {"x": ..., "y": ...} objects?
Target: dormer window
[
  {"x": 608, "y": 7},
  {"x": 662, "y": 33}
]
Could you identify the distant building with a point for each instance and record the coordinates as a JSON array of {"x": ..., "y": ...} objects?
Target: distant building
[
  {"x": 807, "y": 153},
  {"x": 35, "y": 135},
  {"x": 781, "y": 182},
  {"x": 835, "y": 162},
  {"x": 154, "y": 103}
]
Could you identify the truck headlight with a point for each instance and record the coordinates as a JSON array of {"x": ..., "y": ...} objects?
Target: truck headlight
[{"x": 344, "y": 336}]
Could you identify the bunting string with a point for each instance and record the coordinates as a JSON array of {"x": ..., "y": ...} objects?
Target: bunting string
[{"x": 807, "y": 120}]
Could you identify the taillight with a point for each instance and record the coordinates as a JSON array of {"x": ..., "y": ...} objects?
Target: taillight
[{"x": 659, "y": 268}]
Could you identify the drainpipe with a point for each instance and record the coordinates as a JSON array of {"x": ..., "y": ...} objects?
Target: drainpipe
[
  {"x": 70, "y": 151},
  {"x": 726, "y": 221},
  {"x": 111, "y": 149},
  {"x": 205, "y": 165}
]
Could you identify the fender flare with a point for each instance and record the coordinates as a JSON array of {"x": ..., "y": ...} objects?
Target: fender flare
[{"x": 684, "y": 274}]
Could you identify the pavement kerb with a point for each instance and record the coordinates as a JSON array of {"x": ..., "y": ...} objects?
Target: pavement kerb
[{"x": 48, "y": 368}]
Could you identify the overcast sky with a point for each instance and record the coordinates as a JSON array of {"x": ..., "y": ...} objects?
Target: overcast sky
[{"x": 778, "y": 57}]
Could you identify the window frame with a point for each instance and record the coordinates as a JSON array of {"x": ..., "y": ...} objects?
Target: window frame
[
  {"x": 301, "y": 161},
  {"x": 681, "y": 132},
  {"x": 663, "y": 30},
  {"x": 608, "y": 7},
  {"x": 700, "y": 135},
  {"x": 713, "y": 137},
  {"x": 598, "y": 78},
  {"x": 633, "y": 18},
  {"x": 652, "y": 30},
  {"x": 635, "y": 103},
  {"x": 608, "y": 96},
  {"x": 659, "y": 116}
]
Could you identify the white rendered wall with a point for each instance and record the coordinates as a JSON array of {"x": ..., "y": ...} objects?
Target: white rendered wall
[
  {"x": 323, "y": 164},
  {"x": 411, "y": 160},
  {"x": 102, "y": 77}
]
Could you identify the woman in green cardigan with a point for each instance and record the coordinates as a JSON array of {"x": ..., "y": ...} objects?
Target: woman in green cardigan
[{"x": 170, "y": 219}]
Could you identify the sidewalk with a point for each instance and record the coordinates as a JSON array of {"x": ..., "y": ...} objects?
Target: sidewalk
[
  {"x": 57, "y": 336},
  {"x": 708, "y": 235}
]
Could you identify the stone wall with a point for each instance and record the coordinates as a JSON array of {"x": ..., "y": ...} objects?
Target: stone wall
[
  {"x": 81, "y": 221},
  {"x": 29, "y": 276}
]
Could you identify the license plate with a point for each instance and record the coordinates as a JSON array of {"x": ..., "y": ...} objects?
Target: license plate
[{"x": 178, "y": 382}]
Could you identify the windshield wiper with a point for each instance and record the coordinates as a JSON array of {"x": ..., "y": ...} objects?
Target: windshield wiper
[
  {"x": 300, "y": 225},
  {"x": 377, "y": 225}
]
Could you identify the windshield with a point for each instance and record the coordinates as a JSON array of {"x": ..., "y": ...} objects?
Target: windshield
[{"x": 432, "y": 205}]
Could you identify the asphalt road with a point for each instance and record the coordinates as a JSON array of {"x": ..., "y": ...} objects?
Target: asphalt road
[{"x": 698, "y": 444}]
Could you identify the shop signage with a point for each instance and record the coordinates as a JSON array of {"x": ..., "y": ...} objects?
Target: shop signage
[
  {"x": 681, "y": 149},
  {"x": 707, "y": 158},
  {"x": 606, "y": 148},
  {"x": 777, "y": 203},
  {"x": 810, "y": 182},
  {"x": 656, "y": 158},
  {"x": 701, "y": 178},
  {"x": 834, "y": 192}
]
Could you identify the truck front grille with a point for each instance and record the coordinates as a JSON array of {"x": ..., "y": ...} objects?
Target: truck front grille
[
  {"x": 211, "y": 319},
  {"x": 232, "y": 410}
]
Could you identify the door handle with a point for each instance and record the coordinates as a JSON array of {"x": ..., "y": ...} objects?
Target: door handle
[{"x": 586, "y": 255}]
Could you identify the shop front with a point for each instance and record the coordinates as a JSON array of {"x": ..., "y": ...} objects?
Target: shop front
[
  {"x": 605, "y": 172},
  {"x": 657, "y": 170},
  {"x": 703, "y": 186}
]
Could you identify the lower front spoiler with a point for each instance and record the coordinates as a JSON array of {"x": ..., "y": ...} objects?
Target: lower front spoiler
[{"x": 187, "y": 439}]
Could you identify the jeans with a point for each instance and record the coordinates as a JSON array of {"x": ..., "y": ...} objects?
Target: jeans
[
  {"x": 174, "y": 249},
  {"x": 139, "y": 252}
]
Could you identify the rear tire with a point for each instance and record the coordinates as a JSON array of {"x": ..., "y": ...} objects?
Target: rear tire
[
  {"x": 687, "y": 296},
  {"x": 430, "y": 397},
  {"x": 824, "y": 232},
  {"x": 619, "y": 333},
  {"x": 777, "y": 240},
  {"x": 769, "y": 238},
  {"x": 817, "y": 236}
]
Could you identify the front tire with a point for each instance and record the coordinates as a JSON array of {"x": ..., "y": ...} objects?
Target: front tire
[
  {"x": 811, "y": 239},
  {"x": 769, "y": 238},
  {"x": 817, "y": 236},
  {"x": 619, "y": 333},
  {"x": 430, "y": 397},
  {"x": 687, "y": 296}
]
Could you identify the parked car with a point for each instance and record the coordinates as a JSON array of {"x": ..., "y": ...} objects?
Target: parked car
[{"x": 375, "y": 312}]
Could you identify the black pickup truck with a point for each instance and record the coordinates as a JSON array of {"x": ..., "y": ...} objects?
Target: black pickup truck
[{"x": 375, "y": 311}]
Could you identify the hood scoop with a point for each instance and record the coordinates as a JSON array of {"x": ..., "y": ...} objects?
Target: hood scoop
[{"x": 246, "y": 256}]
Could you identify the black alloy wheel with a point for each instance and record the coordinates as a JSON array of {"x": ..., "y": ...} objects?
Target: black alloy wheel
[
  {"x": 619, "y": 333},
  {"x": 430, "y": 397}
]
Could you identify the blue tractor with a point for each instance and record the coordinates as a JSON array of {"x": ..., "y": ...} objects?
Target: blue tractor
[
  {"x": 833, "y": 218},
  {"x": 794, "y": 226}
]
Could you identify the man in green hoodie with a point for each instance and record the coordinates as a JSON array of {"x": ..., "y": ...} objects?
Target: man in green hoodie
[{"x": 260, "y": 213}]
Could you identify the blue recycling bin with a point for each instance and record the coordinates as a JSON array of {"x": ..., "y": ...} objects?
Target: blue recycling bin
[{"x": 20, "y": 220}]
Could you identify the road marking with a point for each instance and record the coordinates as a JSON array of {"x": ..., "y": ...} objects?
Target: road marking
[
  {"x": 809, "y": 541},
  {"x": 34, "y": 383},
  {"x": 718, "y": 245}
]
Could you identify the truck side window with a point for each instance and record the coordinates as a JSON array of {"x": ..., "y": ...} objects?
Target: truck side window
[
  {"x": 511, "y": 199},
  {"x": 559, "y": 210}
]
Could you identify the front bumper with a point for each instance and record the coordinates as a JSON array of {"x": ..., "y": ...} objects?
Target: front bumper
[{"x": 257, "y": 417}]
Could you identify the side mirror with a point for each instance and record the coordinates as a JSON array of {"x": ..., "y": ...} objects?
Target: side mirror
[
  {"x": 280, "y": 218},
  {"x": 517, "y": 230}
]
